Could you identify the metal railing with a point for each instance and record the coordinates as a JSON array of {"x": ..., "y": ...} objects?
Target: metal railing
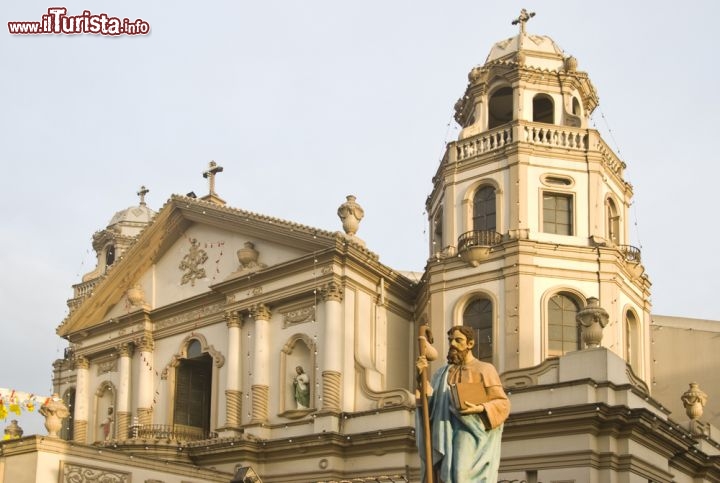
[{"x": 630, "y": 253}]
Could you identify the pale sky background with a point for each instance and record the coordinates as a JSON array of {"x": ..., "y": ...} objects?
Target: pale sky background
[{"x": 304, "y": 102}]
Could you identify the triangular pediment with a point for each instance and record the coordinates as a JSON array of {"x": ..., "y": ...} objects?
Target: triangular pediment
[{"x": 190, "y": 246}]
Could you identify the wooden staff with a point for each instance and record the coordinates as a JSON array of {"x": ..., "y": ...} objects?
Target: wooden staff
[{"x": 425, "y": 349}]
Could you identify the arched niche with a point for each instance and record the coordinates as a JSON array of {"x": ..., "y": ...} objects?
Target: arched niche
[
  {"x": 300, "y": 350},
  {"x": 105, "y": 424}
]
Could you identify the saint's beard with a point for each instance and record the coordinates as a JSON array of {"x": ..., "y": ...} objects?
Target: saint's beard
[{"x": 456, "y": 357}]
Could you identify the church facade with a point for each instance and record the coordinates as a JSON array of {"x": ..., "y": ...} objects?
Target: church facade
[{"x": 215, "y": 338}]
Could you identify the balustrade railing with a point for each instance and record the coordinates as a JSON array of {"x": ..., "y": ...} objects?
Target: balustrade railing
[
  {"x": 483, "y": 143},
  {"x": 557, "y": 136},
  {"x": 85, "y": 288},
  {"x": 480, "y": 238},
  {"x": 169, "y": 432}
]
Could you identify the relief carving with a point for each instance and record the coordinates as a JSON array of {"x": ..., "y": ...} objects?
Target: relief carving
[
  {"x": 192, "y": 263},
  {"x": 77, "y": 473},
  {"x": 299, "y": 316}
]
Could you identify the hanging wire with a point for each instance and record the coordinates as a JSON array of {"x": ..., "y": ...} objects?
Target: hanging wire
[{"x": 633, "y": 206}]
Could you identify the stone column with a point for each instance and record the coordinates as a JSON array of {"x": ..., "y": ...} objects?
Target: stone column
[
  {"x": 332, "y": 350},
  {"x": 82, "y": 399},
  {"x": 233, "y": 392},
  {"x": 145, "y": 379},
  {"x": 123, "y": 413},
  {"x": 261, "y": 364}
]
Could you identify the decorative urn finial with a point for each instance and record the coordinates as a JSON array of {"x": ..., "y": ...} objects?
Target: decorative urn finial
[
  {"x": 694, "y": 400},
  {"x": 592, "y": 319},
  {"x": 13, "y": 430},
  {"x": 350, "y": 213}
]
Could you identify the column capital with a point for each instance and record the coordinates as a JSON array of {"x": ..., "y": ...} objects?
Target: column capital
[
  {"x": 146, "y": 343},
  {"x": 82, "y": 362},
  {"x": 232, "y": 318},
  {"x": 124, "y": 349},
  {"x": 332, "y": 291},
  {"x": 261, "y": 311}
]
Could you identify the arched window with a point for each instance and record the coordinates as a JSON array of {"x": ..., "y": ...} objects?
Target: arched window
[
  {"x": 543, "y": 109},
  {"x": 632, "y": 341},
  {"x": 109, "y": 255},
  {"x": 500, "y": 107},
  {"x": 484, "y": 209},
  {"x": 479, "y": 316},
  {"x": 576, "y": 107},
  {"x": 613, "y": 222},
  {"x": 563, "y": 329},
  {"x": 193, "y": 389}
]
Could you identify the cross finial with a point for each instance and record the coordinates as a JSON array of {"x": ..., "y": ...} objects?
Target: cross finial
[
  {"x": 143, "y": 191},
  {"x": 522, "y": 19},
  {"x": 213, "y": 169}
]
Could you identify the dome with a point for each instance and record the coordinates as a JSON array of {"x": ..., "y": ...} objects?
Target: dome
[
  {"x": 134, "y": 214},
  {"x": 539, "y": 51}
]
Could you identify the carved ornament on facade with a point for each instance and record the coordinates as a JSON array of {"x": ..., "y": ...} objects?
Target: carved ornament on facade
[
  {"x": 106, "y": 366},
  {"x": 136, "y": 297},
  {"x": 592, "y": 320},
  {"x": 299, "y": 316},
  {"x": 73, "y": 472},
  {"x": 191, "y": 315},
  {"x": 216, "y": 355},
  {"x": 192, "y": 263}
]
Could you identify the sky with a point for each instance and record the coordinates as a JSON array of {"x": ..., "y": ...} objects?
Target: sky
[{"x": 303, "y": 103}]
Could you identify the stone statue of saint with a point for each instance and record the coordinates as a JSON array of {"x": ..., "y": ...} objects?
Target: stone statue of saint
[
  {"x": 301, "y": 385},
  {"x": 465, "y": 442},
  {"x": 106, "y": 425}
]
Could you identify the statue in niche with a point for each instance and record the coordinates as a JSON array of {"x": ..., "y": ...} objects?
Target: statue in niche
[
  {"x": 106, "y": 425},
  {"x": 301, "y": 387}
]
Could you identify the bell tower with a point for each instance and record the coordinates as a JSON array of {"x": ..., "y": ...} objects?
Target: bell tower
[{"x": 529, "y": 215}]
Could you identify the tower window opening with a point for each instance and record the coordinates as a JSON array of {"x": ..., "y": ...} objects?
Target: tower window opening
[
  {"x": 563, "y": 329},
  {"x": 110, "y": 255},
  {"x": 557, "y": 214},
  {"x": 500, "y": 107},
  {"x": 543, "y": 109},
  {"x": 484, "y": 213},
  {"x": 613, "y": 222},
  {"x": 576, "y": 107},
  {"x": 479, "y": 316}
]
